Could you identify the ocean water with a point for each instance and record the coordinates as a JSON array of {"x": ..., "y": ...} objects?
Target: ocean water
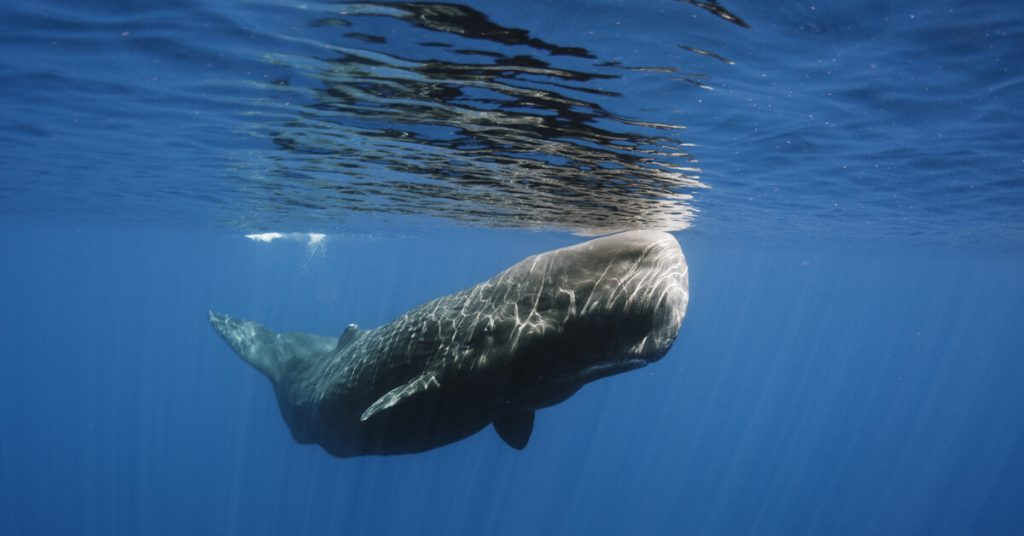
[{"x": 845, "y": 178}]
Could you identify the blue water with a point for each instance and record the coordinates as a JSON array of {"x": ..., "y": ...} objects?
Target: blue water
[{"x": 846, "y": 179}]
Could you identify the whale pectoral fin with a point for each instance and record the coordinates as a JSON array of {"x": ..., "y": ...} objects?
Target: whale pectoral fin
[
  {"x": 515, "y": 429},
  {"x": 423, "y": 382}
]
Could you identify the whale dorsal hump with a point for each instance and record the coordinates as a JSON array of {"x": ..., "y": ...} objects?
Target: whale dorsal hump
[
  {"x": 350, "y": 334},
  {"x": 515, "y": 429},
  {"x": 422, "y": 383}
]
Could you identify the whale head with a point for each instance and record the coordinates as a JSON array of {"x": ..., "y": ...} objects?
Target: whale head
[{"x": 588, "y": 311}]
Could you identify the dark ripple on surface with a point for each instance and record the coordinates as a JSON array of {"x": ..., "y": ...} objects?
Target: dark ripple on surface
[{"x": 487, "y": 126}]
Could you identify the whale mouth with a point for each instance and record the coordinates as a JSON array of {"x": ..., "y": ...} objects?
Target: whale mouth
[{"x": 610, "y": 368}]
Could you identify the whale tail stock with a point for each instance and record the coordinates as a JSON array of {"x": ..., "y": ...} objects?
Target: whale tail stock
[{"x": 265, "y": 350}]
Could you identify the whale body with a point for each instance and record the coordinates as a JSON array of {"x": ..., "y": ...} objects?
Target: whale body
[{"x": 494, "y": 353}]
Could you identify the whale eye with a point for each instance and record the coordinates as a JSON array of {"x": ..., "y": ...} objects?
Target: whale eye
[
  {"x": 493, "y": 331},
  {"x": 482, "y": 331}
]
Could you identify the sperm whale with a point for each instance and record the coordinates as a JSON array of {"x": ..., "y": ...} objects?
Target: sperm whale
[{"x": 494, "y": 353}]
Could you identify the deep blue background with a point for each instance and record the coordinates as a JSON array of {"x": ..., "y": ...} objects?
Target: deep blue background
[
  {"x": 852, "y": 361},
  {"x": 818, "y": 390}
]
